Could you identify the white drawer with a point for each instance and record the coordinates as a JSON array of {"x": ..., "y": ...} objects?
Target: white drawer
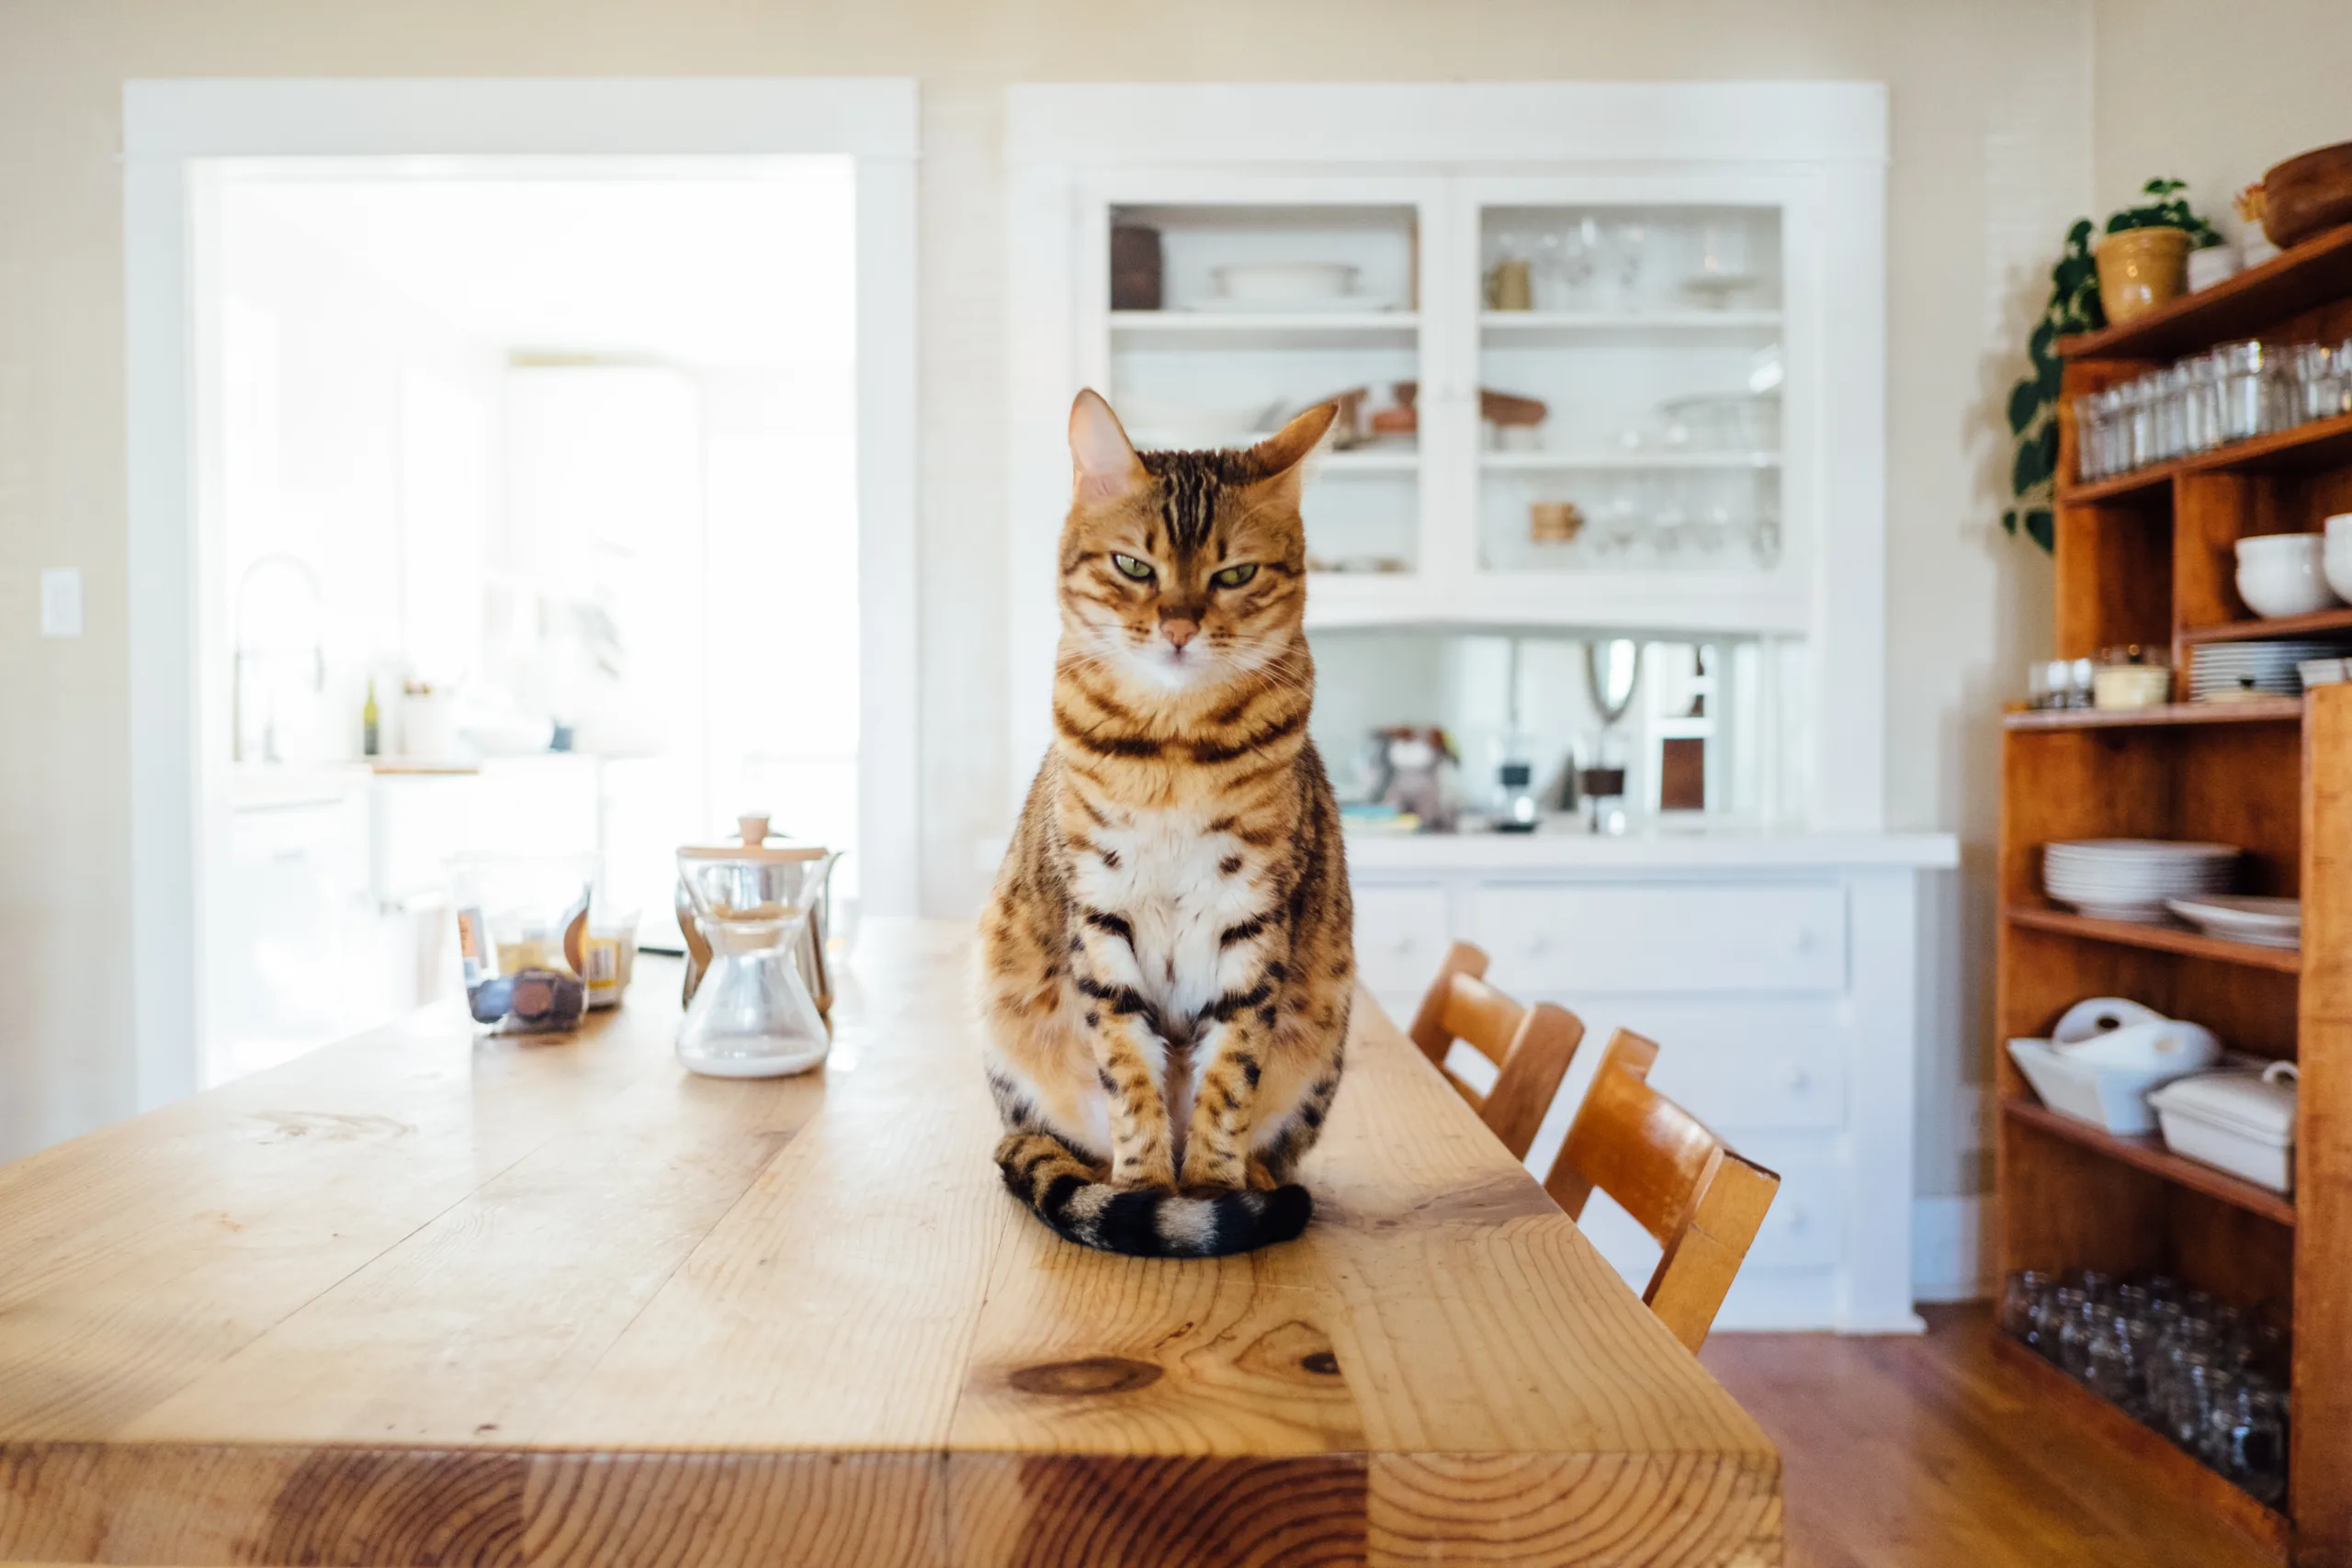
[
  {"x": 1677, "y": 939},
  {"x": 1805, "y": 1227},
  {"x": 1761, "y": 1081},
  {"x": 1401, "y": 937}
]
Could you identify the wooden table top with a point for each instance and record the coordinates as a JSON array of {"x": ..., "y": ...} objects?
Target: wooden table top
[{"x": 414, "y": 1300}]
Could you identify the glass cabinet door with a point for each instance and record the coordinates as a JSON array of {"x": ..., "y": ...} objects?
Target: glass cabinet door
[
  {"x": 1226, "y": 316},
  {"x": 1629, "y": 388}
]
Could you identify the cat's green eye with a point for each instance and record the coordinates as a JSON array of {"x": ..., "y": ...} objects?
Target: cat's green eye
[
  {"x": 1132, "y": 569},
  {"x": 1235, "y": 576}
]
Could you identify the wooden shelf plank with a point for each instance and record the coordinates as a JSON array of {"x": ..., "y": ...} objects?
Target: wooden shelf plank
[
  {"x": 2314, "y": 273},
  {"x": 2320, "y": 443},
  {"x": 2319, "y": 621},
  {"x": 2163, "y": 939},
  {"x": 2140, "y": 483},
  {"x": 2150, "y": 1155},
  {"x": 2256, "y": 710},
  {"x": 2266, "y": 1527}
]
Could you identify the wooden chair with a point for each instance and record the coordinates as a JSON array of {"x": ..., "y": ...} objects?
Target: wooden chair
[
  {"x": 1702, "y": 1202},
  {"x": 1531, "y": 1047}
]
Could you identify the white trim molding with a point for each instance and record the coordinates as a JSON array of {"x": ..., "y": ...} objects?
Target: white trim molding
[
  {"x": 172, "y": 133},
  {"x": 1949, "y": 1260},
  {"x": 1135, "y": 123}
]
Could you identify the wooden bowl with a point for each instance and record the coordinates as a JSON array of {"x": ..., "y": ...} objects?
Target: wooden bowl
[{"x": 2308, "y": 193}]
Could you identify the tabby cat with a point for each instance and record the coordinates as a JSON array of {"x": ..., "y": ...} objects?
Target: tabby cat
[{"x": 1166, "y": 961}]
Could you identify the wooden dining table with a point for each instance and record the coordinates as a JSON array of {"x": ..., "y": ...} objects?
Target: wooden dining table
[{"x": 420, "y": 1298}]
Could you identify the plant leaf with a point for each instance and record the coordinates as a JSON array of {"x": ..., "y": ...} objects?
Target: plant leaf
[{"x": 2042, "y": 528}]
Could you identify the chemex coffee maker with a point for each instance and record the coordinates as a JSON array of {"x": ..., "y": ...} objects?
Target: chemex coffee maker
[{"x": 757, "y": 991}]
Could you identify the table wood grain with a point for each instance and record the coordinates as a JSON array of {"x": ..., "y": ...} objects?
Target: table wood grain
[{"x": 418, "y": 1299}]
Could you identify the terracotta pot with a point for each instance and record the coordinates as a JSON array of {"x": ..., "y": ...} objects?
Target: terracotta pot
[{"x": 2140, "y": 269}]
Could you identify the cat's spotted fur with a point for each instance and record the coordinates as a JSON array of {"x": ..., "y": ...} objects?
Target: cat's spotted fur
[{"x": 1166, "y": 958}]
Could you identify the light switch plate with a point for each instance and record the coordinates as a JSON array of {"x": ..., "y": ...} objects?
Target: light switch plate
[{"x": 60, "y": 600}]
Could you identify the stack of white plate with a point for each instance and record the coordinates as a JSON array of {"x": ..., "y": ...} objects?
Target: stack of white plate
[
  {"x": 2225, "y": 671},
  {"x": 2130, "y": 879},
  {"x": 2265, "y": 922}
]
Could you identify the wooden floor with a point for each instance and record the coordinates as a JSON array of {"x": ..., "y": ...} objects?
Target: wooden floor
[{"x": 1922, "y": 1451}]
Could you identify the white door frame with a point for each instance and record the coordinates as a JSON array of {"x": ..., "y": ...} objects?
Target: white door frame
[{"x": 170, "y": 128}]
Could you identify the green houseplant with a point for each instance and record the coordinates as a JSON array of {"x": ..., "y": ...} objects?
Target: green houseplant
[
  {"x": 2161, "y": 230},
  {"x": 2074, "y": 307}
]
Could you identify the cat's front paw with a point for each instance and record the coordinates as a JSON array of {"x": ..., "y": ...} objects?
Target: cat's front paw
[{"x": 1150, "y": 1176}]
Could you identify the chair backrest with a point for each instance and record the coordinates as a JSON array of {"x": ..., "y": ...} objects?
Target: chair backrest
[
  {"x": 1702, "y": 1202},
  {"x": 1531, "y": 1047}
]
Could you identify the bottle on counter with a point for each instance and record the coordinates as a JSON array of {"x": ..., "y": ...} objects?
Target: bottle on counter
[{"x": 369, "y": 730}]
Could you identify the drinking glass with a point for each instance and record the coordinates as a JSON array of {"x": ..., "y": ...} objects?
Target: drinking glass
[
  {"x": 2246, "y": 1438},
  {"x": 2075, "y": 1327},
  {"x": 2311, "y": 372},
  {"x": 1627, "y": 246},
  {"x": 2189, "y": 1400},
  {"x": 2021, "y": 1305},
  {"x": 2244, "y": 389},
  {"x": 2114, "y": 1367},
  {"x": 2089, "y": 458}
]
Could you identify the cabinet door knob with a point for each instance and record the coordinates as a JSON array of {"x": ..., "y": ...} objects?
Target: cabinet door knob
[
  {"x": 1533, "y": 944},
  {"x": 1800, "y": 940},
  {"x": 1401, "y": 942},
  {"x": 1795, "y": 1080}
]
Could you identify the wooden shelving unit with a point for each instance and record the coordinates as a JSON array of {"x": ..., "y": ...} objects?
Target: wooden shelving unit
[{"x": 2149, "y": 557}]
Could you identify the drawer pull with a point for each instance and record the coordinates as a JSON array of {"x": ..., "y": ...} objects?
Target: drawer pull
[
  {"x": 1801, "y": 940},
  {"x": 1795, "y": 1080}
]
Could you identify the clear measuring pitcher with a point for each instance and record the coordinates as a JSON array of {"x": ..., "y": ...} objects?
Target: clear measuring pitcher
[{"x": 753, "y": 1016}]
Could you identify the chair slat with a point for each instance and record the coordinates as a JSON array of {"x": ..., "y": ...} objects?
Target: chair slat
[
  {"x": 1701, "y": 1201},
  {"x": 1531, "y": 1047}
]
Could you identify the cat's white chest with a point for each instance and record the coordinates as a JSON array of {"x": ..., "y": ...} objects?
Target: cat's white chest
[{"x": 1165, "y": 874}]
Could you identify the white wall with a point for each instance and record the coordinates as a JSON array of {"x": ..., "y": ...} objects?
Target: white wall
[{"x": 1992, "y": 151}]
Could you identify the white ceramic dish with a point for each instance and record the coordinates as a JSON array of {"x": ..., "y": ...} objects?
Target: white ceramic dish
[
  {"x": 2112, "y": 1098},
  {"x": 2130, "y": 687},
  {"x": 2264, "y": 922},
  {"x": 2129, "y": 879},
  {"x": 2165, "y": 1042},
  {"x": 2281, "y": 574},
  {"x": 2241, "y": 1122},
  {"x": 1285, "y": 284},
  {"x": 2336, "y": 561},
  {"x": 2323, "y": 672}
]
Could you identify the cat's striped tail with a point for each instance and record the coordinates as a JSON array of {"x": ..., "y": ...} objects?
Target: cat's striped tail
[{"x": 1042, "y": 1172}]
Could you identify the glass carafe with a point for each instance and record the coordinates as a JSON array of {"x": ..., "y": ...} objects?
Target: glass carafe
[{"x": 753, "y": 1016}]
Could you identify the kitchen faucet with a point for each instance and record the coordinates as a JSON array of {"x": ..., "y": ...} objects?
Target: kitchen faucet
[{"x": 248, "y": 652}]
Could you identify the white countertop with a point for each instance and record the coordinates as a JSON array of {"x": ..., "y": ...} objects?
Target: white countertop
[{"x": 1567, "y": 849}]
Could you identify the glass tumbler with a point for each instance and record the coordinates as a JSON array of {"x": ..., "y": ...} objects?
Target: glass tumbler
[
  {"x": 2021, "y": 1306},
  {"x": 2247, "y": 1438},
  {"x": 2189, "y": 1400},
  {"x": 2244, "y": 389}
]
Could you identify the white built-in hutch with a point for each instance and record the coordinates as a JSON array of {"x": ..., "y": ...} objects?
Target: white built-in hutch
[{"x": 1640, "y": 332}]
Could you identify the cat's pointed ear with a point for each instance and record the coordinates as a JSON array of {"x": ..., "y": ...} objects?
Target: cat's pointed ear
[
  {"x": 1279, "y": 458},
  {"x": 1104, "y": 459}
]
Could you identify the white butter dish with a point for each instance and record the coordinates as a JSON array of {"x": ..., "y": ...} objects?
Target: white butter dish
[{"x": 2242, "y": 1123}]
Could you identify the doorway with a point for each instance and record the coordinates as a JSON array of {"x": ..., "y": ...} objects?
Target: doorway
[{"x": 533, "y": 501}]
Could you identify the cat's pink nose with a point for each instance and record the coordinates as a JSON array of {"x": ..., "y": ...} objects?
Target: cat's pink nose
[{"x": 1179, "y": 632}]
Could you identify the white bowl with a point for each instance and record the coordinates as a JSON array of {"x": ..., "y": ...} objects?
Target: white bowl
[
  {"x": 1270, "y": 281},
  {"x": 2337, "y": 560},
  {"x": 2282, "y": 574}
]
